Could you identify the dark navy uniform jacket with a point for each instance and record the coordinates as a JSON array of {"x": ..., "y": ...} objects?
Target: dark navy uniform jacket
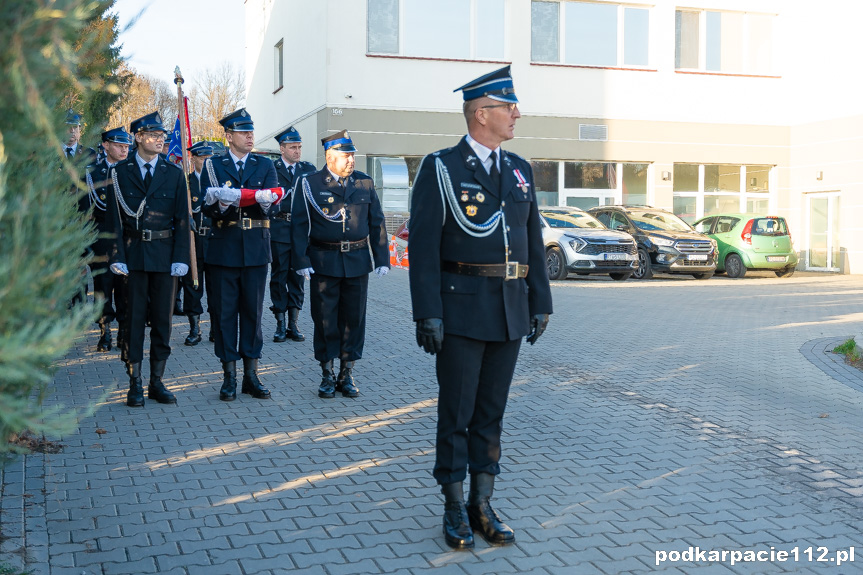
[
  {"x": 166, "y": 209},
  {"x": 94, "y": 203},
  {"x": 232, "y": 246},
  {"x": 280, "y": 228},
  {"x": 483, "y": 308},
  {"x": 365, "y": 219},
  {"x": 199, "y": 220}
]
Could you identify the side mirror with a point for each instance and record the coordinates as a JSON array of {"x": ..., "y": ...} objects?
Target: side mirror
[{"x": 623, "y": 228}]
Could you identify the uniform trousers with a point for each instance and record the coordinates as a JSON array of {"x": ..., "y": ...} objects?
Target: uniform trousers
[
  {"x": 286, "y": 286},
  {"x": 338, "y": 308},
  {"x": 150, "y": 295},
  {"x": 110, "y": 287},
  {"x": 473, "y": 379},
  {"x": 236, "y": 300},
  {"x": 191, "y": 295}
]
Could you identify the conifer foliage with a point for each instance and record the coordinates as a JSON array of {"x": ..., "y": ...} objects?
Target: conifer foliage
[{"x": 54, "y": 53}]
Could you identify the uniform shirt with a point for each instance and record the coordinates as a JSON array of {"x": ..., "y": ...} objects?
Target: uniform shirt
[{"x": 483, "y": 153}]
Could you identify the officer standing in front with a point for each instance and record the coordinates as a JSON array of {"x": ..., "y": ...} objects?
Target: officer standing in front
[
  {"x": 111, "y": 287},
  {"x": 478, "y": 285},
  {"x": 336, "y": 217},
  {"x": 238, "y": 253},
  {"x": 286, "y": 286},
  {"x": 192, "y": 295},
  {"x": 150, "y": 214}
]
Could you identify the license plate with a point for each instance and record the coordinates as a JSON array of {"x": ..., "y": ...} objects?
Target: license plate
[
  {"x": 607, "y": 257},
  {"x": 697, "y": 257},
  {"x": 777, "y": 258}
]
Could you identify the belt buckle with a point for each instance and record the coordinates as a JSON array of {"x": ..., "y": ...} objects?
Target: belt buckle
[
  {"x": 345, "y": 246},
  {"x": 287, "y": 217},
  {"x": 146, "y": 235},
  {"x": 511, "y": 271},
  {"x": 246, "y": 223},
  {"x": 203, "y": 230}
]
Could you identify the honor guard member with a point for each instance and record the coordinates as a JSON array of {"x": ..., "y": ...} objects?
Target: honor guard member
[
  {"x": 151, "y": 246},
  {"x": 111, "y": 287},
  {"x": 192, "y": 307},
  {"x": 286, "y": 286},
  {"x": 336, "y": 216},
  {"x": 478, "y": 285},
  {"x": 238, "y": 253},
  {"x": 73, "y": 147}
]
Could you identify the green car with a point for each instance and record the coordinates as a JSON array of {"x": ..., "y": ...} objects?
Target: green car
[{"x": 750, "y": 242}]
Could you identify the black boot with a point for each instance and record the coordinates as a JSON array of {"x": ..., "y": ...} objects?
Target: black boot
[
  {"x": 135, "y": 398},
  {"x": 345, "y": 382},
  {"x": 327, "y": 389},
  {"x": 280, "y": 335},
  {"x": 293, "y": 329},
  {"x": 251, "y": 383},
  {"x": 229, "y": 385},
  {"x": 157, "y": 389},
  {"x": 194, "y": 337},
  {"x": 178, "y": 307},
  {"x": 456, "y": 526},
  {"x": 105, "y": 343},
  {"x": 483, "y": 519}
]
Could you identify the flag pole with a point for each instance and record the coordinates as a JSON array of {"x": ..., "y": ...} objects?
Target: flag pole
[{"x": 184, "y": 136}]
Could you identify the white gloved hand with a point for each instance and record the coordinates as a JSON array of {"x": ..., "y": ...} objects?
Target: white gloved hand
[
  {"x": 265, "y": 199},
  {"x": 306, "y": 272},
  {"x": 212, "y": 196},
  {"x": 179, "y": 270},
  {"x": 120, "y": 269},
  {"x": 229, "y": 196},
  {"x": 382, "y": 271}
]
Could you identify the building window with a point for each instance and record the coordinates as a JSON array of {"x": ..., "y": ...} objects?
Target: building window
[
  {"x": 589, "y": 184},
  {"x": 589, "y": 34},
  {"x": 706, "y": 189},
  {"x": 278, "y": 66},
  {"x": 456, "y": 29},
  {"x": 727, "y": 42}
]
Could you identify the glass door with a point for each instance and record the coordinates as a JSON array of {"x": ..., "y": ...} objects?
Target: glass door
[{"x": 822, "y": 211}]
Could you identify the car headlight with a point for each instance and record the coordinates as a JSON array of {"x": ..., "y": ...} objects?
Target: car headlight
[
  {"x": 665, "y": 242},
  {"x": 577, "y": 244}
]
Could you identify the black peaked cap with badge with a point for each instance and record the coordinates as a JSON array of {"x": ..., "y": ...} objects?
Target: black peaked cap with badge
[
  {"x": 238, "y": 121},
  {"x": 496, "y": 85},
  {"x": 152, "y": 122},
  {"x": 289, "y": 135},
  {"x": 339, "y": 142}
]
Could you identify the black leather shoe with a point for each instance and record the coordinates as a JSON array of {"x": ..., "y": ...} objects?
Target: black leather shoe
[
  {"x": 345, "y": 383},
  {"x": 251, "y": 383},
  {"x": 135, "y": 397},
  {"x": 482, "y": 517},
  {"x": 456, "y": 527},
  {"x": 229, "y": 385},
  {"x": 104, "y": 343},
  {"x": 293, "y": 329},
  {"x": 194, "y": 337},
  {"x": 327, "y": 389},
  {"x": 157, "y": 389},
  {"x": 281, "y": 334}
]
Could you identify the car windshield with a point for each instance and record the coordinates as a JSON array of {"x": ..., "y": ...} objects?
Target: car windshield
[
  {"x": 652, "y": 221},
  {"x": 571, "y": 220},
  {"x": 769, "y": 227}
]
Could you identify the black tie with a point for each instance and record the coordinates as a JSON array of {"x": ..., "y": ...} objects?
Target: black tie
[
  {"x": 148, "y": 177},
  {"x": 342, "y": 182},
  {"x": 494, "y": 172},
  {"x": 68, "y": 152},
  {"x": 291, "y": 174},
  {"x": 240, "y": 170}
]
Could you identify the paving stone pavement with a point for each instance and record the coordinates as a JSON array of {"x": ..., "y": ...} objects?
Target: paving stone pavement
[{"x": 651, "y": 417}]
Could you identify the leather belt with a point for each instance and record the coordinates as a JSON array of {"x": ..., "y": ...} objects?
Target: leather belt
[
  {"x": 510, "y": 271},
  {"x": 340, "y": 246},
  {"x": 245, "y": 223},
  {"x": 283, "y": 216},
  {"x": 148, "y": 235}
]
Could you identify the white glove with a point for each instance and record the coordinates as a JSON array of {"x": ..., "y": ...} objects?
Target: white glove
[
  {"x": 120, "y": 269},
  {"x": 382, "y": 271},
  {"x": 179, "y": 270},
  {"x": 265, "y": 199},
  {"x": 212, "y": 196},
  {"x": 306, "y": 272}
]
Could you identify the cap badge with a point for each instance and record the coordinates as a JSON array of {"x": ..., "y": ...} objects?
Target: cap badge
[
  {"x": 471, "y": 211},
  {"x": 243, "y": 113}
]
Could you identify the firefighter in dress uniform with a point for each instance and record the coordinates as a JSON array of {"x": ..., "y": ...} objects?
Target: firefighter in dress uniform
[
  {"x": 336, "y": 217},
  {"x": 238, "y": 253},
  {"x": 478, "y": 285},
  {"x": 286, "y": 286},
  {"x": 150, "y": 214}
]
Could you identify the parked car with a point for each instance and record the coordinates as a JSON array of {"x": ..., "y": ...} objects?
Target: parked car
[
  {"x": 750, "y": 242},
  {"x": 577, "y": 242},
  {"x": 666, "y": 243}
]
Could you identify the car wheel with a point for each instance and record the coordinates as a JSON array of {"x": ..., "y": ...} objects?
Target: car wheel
[
  {"x": 734, "y": 266},
  {"x": 619, "y": 277},
  {"x": 786, "y": 272},
  {"x": 643, "y": 271},
  {"x": 555, "y": 264},
  {"x": 703, "y": 276}
]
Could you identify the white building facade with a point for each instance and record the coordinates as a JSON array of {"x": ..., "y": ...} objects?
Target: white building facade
[{"x": 703, "y": 107}]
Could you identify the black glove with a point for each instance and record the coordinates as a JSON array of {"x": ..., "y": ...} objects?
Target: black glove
[
  {"x": 537, "y": 325},
  {"x": 430, "y": 334}
]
